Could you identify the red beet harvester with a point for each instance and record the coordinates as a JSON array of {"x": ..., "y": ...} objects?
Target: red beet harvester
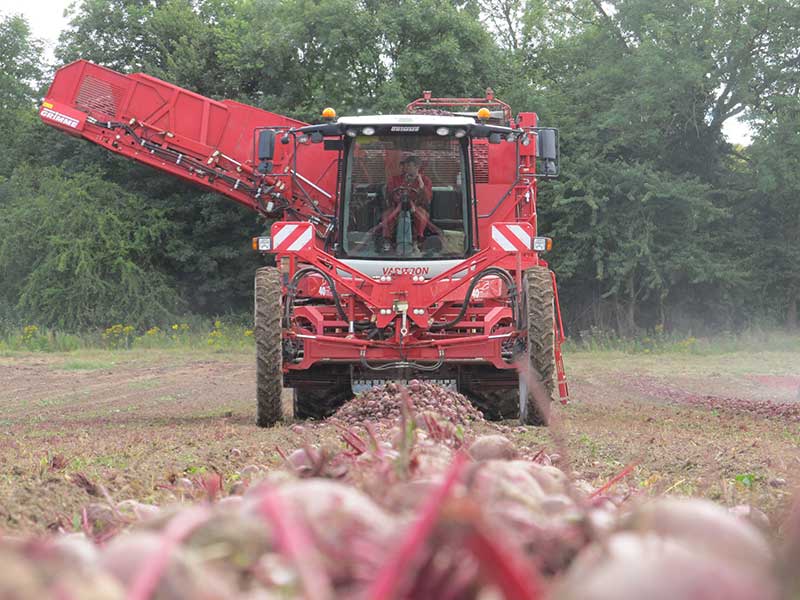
[{"x": 405, "y": 246}]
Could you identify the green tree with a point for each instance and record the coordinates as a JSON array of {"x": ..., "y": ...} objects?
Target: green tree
[
  {"x": 773, "y": 208},
  {"x": 20, "y": 78},
  {"x": 435, "y": 45},
  {"x": 646, "y": 212},
  {"x": 77, "y": 251}
]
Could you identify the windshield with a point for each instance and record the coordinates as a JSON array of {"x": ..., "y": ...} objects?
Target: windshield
[{"x": 404, "y": 198}]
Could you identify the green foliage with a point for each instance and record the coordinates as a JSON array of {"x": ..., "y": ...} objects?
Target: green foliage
[
  {"x": 659, "y": 342},
  {"x": 745, "y": 480},
  {"x": 20, "y": 76},
  {"x": 119, "y": 336},
  {"x": 20, "y": 63},
  {"x": 32, "y": 338},
  {"x": 222, "y": 334},
  {"x": 771, "y": 212},
  {"x": 77, "y": 251},
  {"x": 648, "y": 217},
  {"x": 435, "y": 45},
  {"x": 656, "y": 341}
]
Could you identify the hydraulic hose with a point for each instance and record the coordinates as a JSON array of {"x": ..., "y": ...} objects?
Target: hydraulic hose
[
  {"x": 291, "y": 291},
  {"x": 512, "y": 291}
]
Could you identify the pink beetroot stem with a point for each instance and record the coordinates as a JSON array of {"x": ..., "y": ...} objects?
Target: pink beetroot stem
[
  {"x": 621, "y": 475},
  {"x": 504, "y": 568},
  {"x": 295, "y": 541},
  {"x": 387, "y": 582},
  {"x": 146, "y": 580}
]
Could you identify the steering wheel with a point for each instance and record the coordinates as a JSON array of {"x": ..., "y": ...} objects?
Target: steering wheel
[
  {"x": 405, "y": 188},
  {"x": 396, "y": 194}
]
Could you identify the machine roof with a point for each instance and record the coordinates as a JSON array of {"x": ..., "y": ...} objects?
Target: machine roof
[{"x": 443, "y": 120}]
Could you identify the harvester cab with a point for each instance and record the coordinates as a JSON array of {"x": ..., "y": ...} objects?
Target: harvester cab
[{"x": 405, "y": 190}]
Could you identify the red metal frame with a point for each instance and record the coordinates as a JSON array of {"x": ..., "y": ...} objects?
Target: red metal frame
[
  {"x": 212, "y": 144},
  {"x": 429, "y": 104},
  {"x": 435, "y": 297},
  {"x": 209, "y": 143}
]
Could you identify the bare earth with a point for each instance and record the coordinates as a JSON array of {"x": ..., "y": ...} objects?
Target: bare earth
[{"x": 726, "y": 427}]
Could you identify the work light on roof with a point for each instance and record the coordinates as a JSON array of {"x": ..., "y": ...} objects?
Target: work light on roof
[
  {"x": 442, "y": 131},
  {"x": 368, "y": 131}
]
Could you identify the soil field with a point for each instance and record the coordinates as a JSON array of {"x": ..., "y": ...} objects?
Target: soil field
[{"x": 725, "y": 427}]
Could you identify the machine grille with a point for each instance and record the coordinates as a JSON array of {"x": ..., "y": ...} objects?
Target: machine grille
[
  {"x": 480, "y": 160},
  {"x": 99, "y": 97}
]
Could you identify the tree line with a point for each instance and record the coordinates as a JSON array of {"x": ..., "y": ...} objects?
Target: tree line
[{"x": 658, "y": 221}]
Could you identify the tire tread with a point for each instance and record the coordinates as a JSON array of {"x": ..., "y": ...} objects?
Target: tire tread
[{"x": 269, "y": 353}]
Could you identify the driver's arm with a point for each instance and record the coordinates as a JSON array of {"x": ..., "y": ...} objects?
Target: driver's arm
[
  {"x": 391, "y": 186},
  {"x": 425, "y": 189}
]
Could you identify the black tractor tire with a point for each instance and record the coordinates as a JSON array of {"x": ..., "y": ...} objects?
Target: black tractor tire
[
  {"x": 315, "y": 403},
  {"x": 496, "y": 404},
  {"x": 493, "y": 391},
  {"x": 534, "y": 404},
  {"x": 269, "y": 353}
]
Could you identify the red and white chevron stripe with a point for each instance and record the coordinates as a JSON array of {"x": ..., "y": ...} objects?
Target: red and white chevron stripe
[
  {"x": 512, "y": 237},
  {"x": 291, "y": 237}
]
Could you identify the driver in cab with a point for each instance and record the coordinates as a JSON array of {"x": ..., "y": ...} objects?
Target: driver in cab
[{"x": 418, "y": 189}]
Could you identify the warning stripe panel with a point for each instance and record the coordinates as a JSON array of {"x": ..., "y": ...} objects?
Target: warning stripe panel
[
  {"x": 512, "y": 237},
  {"x": 301, "y": 241},
  {"x": 291, "y": 237}
]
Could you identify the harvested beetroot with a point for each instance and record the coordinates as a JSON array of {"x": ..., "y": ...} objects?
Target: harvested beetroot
[
  {"x": 182, "y": 575},
  {"x": 403, "y": 505},
  {"x": 37, "y": 569},
  {"x": 492, "y": 447},
  {"x": 552, "y": 479},
  {"x": 630, "y": 566},
  {"x": 383, "y": 404},
  {"x": 137, "y": 511},
  {"x": 752, "y": 515},
  {"x": 705, "y": 526}
]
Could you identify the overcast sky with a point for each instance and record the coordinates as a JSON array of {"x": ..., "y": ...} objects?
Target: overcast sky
[{"x": 46, "y": 18}]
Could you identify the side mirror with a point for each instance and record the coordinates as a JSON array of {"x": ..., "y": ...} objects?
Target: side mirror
[
  {"x": 266, "y": 150},
  {"x": 547, "y": 144},
  {"x": 547, "y": 155},
  {"x": 266, "y": 144}
]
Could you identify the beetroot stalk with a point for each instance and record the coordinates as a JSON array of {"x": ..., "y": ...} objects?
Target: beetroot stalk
[
  {"x": 282, "y": 454},
  {"x": 352, "y": 439},
  {"x": 212, "y": 484},
  {"x": 374, "y": 440},
  {"x": 146, "y": 580},
  {"x": 514, "y": 582},
  {"x": 387, "y": 582},
  {"x": 87, "y": 530},
  {"x": 296, "y": 543},
  {"x": 619, "y": 476}
]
